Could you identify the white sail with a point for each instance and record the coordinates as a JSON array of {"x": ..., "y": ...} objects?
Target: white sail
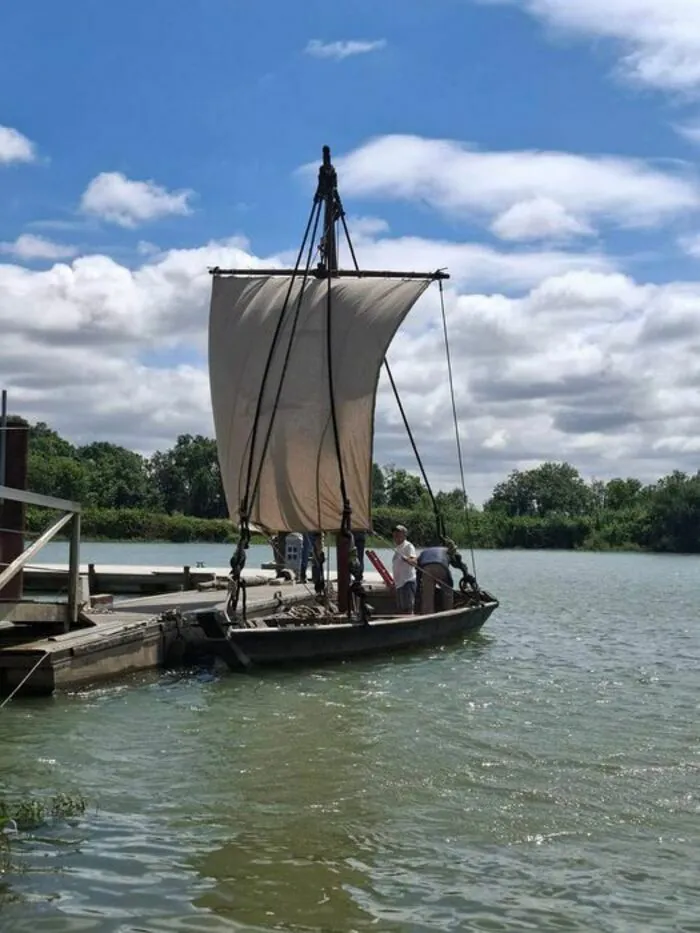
[{"x": 300, "y": 486}]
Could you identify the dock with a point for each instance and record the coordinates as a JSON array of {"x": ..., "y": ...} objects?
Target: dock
[
  {"x": 64, "y": 627},
  {"x": 117, "y": 636},
  {"x": 130, "y": 579}
]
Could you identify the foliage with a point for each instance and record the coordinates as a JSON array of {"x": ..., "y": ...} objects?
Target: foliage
[
  {"x": 403, "y": 489},
  {"x": 550, "y": 488},
  {"x": 31, "y": 812},
  {"x": 177, "y": 495}
]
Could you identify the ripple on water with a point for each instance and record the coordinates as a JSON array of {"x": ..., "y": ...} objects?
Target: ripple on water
[{"x": 543, "y": 776}]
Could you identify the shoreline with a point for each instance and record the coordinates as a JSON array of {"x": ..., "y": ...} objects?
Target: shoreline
[{"x": 380, "y": 543}]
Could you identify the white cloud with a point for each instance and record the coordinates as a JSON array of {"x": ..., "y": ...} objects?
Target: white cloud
[
  {"x": 691, "y": 245},
  {"x": 538, "y": 219},
  {"x": 145, "y": 248},
  {"x": 28, "y": 246},
  {"x": 115, "y": 198},
  {"x": 689, "y": 131},
  {"x": 15, "y": 147},
  {"x": 344, "y": 48},
  {"x": 583, "y": 363},
  {"x": 523, "y": 194},
  {"x": 659, "y": 39},
  {"x": 472, "y": 264}
]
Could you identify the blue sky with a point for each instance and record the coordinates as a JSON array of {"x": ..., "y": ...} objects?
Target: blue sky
[
  {"x": 543, "y": 147},
  {"x": 218, "y": 96}
]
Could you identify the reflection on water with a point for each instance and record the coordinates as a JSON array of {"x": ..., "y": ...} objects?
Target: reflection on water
[{"x": 542, "y": 776}]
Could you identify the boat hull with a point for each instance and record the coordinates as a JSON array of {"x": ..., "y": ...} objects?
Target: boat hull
[{"x": 304, "y": 644}]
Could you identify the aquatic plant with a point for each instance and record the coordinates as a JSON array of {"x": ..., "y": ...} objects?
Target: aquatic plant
[{"x": 30, "y": 812}]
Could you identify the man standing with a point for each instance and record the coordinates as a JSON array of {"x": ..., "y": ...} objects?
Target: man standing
[
  {"x": 404, "y": 570},
  {"x": 435, "y": 577}
]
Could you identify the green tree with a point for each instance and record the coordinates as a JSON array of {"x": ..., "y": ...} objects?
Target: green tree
[
  {"x": 44, "y": 441},
  {"x": 404, "y": 490},
  {"x": 452, "y": 502},
  {"x": 622, "y": 494},
  {"x": 547, "y": 489},
  {"x": 378, "y": 487},
  {"x": 673, "y": 516},
  {"x": 116, "y": 478},
  {"x": 187, "y": 478}
]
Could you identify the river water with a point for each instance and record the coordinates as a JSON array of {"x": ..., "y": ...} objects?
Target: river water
[{"x": 541, "y": 776}]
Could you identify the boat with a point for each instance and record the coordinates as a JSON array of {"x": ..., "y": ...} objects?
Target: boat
[{"x": 294, "y": 362}]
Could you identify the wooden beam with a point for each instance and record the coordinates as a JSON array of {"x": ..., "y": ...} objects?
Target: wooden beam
[
  {"x": 338, "y": 274},
  {"x": 8, "y": 573},
  {"x": 34, "y": 498}
]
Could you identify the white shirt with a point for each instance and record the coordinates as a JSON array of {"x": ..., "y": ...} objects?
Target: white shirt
[{"x": 403, "y": 572}]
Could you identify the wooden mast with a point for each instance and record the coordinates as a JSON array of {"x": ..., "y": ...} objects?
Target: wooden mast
[{"x": 328, "y": 192}]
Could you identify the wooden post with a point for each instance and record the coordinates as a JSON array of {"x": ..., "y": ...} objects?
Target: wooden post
[
  {"x": 13, "y": 514},
  {"x": 279, "y": 549},
  {"x": 74, "y": 572}
]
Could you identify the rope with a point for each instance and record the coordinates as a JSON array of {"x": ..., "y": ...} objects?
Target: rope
[
  {"x": 456, "y": 423},
  {"x": 439, "y": 521},
  {"x": 239, "y": 558},
  {"x": 287, "y": 355},
  {"x": 247, "y": 500},
  {"x": 24, "y": 680},
  {"x": 334, "y": 414}
]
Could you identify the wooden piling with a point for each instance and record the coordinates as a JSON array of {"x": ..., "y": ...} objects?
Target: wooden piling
[{"x": 13, "y": 514}]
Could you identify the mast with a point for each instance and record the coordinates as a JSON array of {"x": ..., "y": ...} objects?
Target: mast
[
  {"x": 245, "y": 473},
  {"x": 328, "y": 265}
]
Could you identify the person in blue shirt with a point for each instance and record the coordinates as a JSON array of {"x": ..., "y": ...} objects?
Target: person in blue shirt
[{"x": 435, "y": 584}]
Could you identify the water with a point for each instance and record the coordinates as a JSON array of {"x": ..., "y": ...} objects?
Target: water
[{"x": 544, "y": 775}]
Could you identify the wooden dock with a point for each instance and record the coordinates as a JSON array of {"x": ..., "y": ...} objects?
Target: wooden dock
[
  {"x": 130, "y": 579},
  {"x": 122, "y": 636}
]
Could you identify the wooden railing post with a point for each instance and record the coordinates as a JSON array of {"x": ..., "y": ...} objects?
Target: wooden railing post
[
  {"x": 74, "y": 572},
  {"x": 13, "y": 513}
]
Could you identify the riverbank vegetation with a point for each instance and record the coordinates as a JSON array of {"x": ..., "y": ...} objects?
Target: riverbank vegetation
[{"x": 177, "y": 495}]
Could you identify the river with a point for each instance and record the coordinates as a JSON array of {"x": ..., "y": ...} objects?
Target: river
[{"x": 542, "y": 776}]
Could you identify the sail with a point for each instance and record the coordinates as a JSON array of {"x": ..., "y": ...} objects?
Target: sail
[{"x": 300, "y": 486}]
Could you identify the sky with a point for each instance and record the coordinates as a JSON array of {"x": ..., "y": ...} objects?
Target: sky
[{"x": 544, "y": 151}]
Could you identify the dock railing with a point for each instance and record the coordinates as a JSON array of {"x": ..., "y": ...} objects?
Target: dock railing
[{"x": 71, "y": 515}]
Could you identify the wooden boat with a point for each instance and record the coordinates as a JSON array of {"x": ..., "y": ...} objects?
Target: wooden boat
[{"x": 294, "y": 362}]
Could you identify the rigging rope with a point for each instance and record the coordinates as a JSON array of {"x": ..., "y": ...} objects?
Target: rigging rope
[
  {"x": 285, "y": 364},
  {"x": 456, "y": 423},
  {"x": 239, "y": 557},
  {"x": 334, "y": 414},
  {"x": 439, "y": 521},
  {"x": 314, "y": 211}
]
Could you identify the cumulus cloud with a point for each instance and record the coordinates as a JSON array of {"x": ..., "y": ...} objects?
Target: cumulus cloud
[
  {"x": 524, "y": 195},
  {"x": 659, "y": 40},
  {"x": 113, "y": 197},
  {"x": 588, "y": 366},
  {"x": 691, "y": 245},
  {"x": 689, "y": 131},
  {"x": 28, "y": 246},
  {"x": 344, "y": 48},
  {"x": 15, "y": 147},
  {"x": 539, "y": 218},
  {"x": 582, "y": 362}
]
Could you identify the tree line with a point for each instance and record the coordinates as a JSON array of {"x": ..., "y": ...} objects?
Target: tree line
[{"x": 178, "y": 495}]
